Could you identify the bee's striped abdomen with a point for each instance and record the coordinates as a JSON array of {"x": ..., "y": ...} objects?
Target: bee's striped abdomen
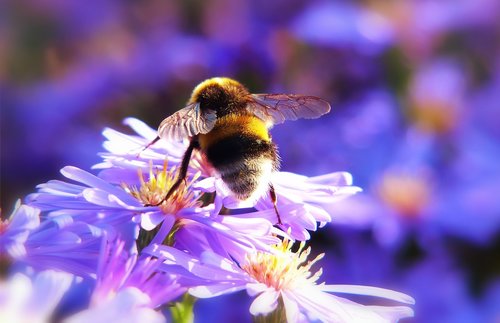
[{"x": 240, "y": 149}]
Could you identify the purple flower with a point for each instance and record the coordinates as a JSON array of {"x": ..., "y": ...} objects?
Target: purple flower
[
  {"x": 281, "y": 277},
  {"x": 32, "y": 299},
  {"x": 302, "y": 201},
  {"x": 436, "y": 96},
  {"x": 344, "y": 25},
  {"x": 128, "y": 288},
  {"x": 92, "y": 201},
  {"x": 15, "y": 231},
  {"x": 63, "y": 244},
  {"x": 107, "y": 206},
  {"x": 232, "y": 235}
]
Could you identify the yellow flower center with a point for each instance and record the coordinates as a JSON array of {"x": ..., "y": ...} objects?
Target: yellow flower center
[
  {"x": 434, "y": 116},
  {"x": 405, "y": 193},
  {"x": 282, "y": 268},
  {"x": 154, "y": 190}
]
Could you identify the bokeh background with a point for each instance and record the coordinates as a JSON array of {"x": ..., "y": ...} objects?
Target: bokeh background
[{"x": 415, "y": 93}]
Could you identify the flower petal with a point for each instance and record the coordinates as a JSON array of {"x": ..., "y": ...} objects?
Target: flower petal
[
  {"x": 265, "y": 302},
  {"x": 369, "y": 291}
]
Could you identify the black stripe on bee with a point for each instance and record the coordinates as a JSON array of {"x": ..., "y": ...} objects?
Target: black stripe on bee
[{"x": 237, "y": 149}]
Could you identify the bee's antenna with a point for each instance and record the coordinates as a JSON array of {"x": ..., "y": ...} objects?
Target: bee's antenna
[{"x": 149, "y": 145}]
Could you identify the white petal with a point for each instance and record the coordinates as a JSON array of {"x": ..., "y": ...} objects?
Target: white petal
[
  {"x": 369, "y": 291},
  {"x": 265, "y": 302},
  {"x": 291, "y": 309},
  {"x": 256, "y": 288},
  {"x": 150, "y": 220},
  {"x": 335, "y": 179},
  {"x": 215, "y": 290},
  {"x": 205, "y": 185},
  {"x": 141, "y": 128}
]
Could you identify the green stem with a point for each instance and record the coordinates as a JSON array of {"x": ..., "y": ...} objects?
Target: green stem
[{"x": 182, "y": 312}]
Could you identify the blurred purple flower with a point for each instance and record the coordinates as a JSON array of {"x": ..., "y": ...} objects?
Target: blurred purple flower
[
  {"x": 15, "y": 230},
  {"x": 128, "y": 288},
  {"x": 281, "y": 277},
  {"x": 32, "y": 299},
  {"x": 436, "y": 96},
  {"x": 344, "y": 25},
  {"x": 63, "y": 244}
]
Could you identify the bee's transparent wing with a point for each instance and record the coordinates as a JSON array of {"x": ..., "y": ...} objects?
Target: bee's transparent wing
[
  {"x": 187, "y": 122},
  {"x": 276, "y": 108}
]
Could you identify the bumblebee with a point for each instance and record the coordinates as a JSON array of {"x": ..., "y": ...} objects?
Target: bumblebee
[{"x": 230, "y": 127}]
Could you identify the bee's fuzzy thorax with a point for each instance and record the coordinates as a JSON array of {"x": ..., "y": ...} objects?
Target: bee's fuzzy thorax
[{"x": 220, "y": 94}]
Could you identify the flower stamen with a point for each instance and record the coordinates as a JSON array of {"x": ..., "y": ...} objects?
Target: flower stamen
[
  {"x": 154, "y": 190},
  {"x": 283, "y": 268}
]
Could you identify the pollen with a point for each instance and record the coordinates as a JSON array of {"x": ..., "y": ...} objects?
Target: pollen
[
  {"x": 154, "y": 190},
  {"x": 282, "y": 268}
]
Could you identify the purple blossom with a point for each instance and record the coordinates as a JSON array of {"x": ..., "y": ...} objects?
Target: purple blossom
[
  {"x": 281, "y": 275},
  {"x": 128, "y": 288},
  {"x": 344, "y": 25},
  {"x": 71, "y": 246},
  {"x": 15, "y": 230},
  {"x": 63, "y": 244},
  {"x": 92, "y": 200},
  {"x": 302, "y": 201},
  {"x": 107, "y": 206}
]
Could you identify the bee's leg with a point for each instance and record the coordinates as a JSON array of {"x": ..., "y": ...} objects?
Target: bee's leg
[
  {"x": 154, "y": 141},
  {"x": 181, "y": 177},
  {"x": 274, "y": 199}
]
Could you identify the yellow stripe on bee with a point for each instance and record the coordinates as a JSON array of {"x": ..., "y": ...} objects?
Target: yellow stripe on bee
[{"x": 234, "y": 124}]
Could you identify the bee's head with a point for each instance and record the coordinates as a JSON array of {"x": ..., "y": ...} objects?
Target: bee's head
[{"x": 221, "y": 94}]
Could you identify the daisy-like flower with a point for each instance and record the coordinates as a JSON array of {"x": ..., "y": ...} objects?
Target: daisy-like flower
[
  {"x": 107, "y": 206},
  {"x": 64, "y": 244},
  {"x": 32, "y": 299},
  {"x": 128, "y": 288},
  {"x": 307, "y": 201},
  {"x": 283, "y": 284}
]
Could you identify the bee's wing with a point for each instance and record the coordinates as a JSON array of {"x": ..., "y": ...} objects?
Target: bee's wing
[
  {"x": 276, "y": 108},
  {"x": 187, "y": 122}
]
